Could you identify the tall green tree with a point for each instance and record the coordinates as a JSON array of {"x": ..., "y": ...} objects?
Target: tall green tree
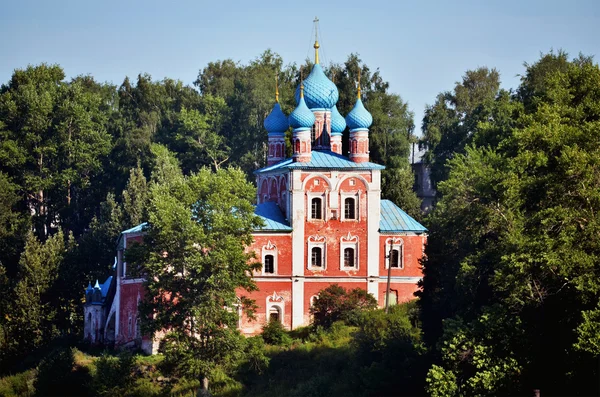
[
  {"x": 511, "y": 273},
  {"x": 450, "y": 123},
  {"x": 195, "y": 261}
]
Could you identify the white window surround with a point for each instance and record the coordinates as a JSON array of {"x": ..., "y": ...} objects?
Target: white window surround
[
  {"x": 356, "y": 197},
  {"x": 275, "y": 302},
  {"x": 319, "y": 242},
  {"x": 269, "y": 249},
  {"x": 349, "y": 241},
  {"x": 394, "y": 243},
  {"x": 309, "y": 197}
]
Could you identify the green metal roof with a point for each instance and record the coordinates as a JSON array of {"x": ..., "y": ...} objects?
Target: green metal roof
[
  {"x": 394, "y": 220},
  {"x": 272, "y": 217},
  {"x": 321, "y": 160}
]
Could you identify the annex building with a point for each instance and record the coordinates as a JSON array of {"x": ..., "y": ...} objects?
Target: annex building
[{"x": 324, "y": 223}]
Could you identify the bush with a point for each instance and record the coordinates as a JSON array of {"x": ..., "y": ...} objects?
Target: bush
[
  {"x": 19, "y": 385},
  {"x": 113, "y": 374},
  {"x": 335, "y": 303},
  {"x": 273, "y": 333},
  {"x": 56, "y": 376}
]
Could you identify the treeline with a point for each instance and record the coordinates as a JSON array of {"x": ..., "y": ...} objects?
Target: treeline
[
  {"x": 77, "y": 158},
  {"x": 511, "y": 292}
]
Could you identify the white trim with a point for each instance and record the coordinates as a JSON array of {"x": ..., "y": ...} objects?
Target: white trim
[
  {"x": 269, "y": 249},
  {"x": 356, "y": 175},
  {"x": 275, "y": 301},
  {"x": 353, "y": 195},
  {"x": 396, "y": 244},
  {"x": 349, "y": 241},
  {"x": 317, "y": 241},
  {"x": 133, "y": 281},
  {"x": 323, "y": 197}
]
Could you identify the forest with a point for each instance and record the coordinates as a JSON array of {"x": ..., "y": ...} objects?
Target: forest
[{"x": 510, "y": 298}]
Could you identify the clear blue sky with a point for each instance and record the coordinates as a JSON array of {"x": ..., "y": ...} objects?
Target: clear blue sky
[{"x": 421, "y": 47}]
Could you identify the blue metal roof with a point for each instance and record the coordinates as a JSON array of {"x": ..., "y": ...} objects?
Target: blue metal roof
[
  {"x": 137, "y": 229},
  {"x": 272, "y": 217},
  {"x": 104, "y": 287},
  {"x": 394, "y": 220},
  {"x": 323, "y": 160}
]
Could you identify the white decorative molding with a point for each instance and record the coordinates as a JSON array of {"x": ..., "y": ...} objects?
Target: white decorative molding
[
  {"x": 274, "y": 298},
  {"x": 349, "y": 238}
]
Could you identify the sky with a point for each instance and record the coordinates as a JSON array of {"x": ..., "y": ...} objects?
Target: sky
[{"x": 420, "y": 47}]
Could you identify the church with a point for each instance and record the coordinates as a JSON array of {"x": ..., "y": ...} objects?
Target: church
[{"x": 324, "y": 223}]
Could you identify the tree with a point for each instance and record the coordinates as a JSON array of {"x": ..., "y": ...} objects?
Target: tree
[
  {"x": 510, "y": 278},
  {"x": 450, "y": 123},
  {"x": 135, "y": 198},
  {"x": 335, "y": 303},
  {"x": 195, "y": 261}
]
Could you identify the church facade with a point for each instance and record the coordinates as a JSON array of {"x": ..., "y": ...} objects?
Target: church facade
[{"x": 324, "y": 223}]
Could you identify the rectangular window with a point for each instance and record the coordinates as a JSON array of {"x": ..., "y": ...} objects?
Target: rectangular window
[
  {"x": 316, "y": 258},
  {"x": 349, "y": 257},
  {"x": 349, "y": 208},
  {"x": 316, "y": 208},
  {"x": 269, "y": 264}
]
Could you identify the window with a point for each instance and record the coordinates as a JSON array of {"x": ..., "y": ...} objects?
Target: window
[
  {"x": 349, "y": 208},
  {"x": 316, "y": 257},
  {"x": 269, "y": 264},
  {"x": 269, "y": 258},
  {"x": 316, "y": 208},
  {"x": 274, "y": 314},
  {"x": 394, "y": 253},
  {"x": 349, "y": 252},
  {"x": 395, "y": 258},
  {"x": 349, "y": 257}
]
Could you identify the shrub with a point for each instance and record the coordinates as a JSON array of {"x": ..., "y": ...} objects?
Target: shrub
[
  {"x": 113, "y": 374},
  {"x": 273, "y": 333},
  {"x": 19, "y": 385},
  {"x": 55, "y": 374},
  {"x": 335, "y": 303}
]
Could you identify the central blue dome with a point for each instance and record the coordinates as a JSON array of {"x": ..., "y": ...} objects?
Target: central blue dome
[{"x": 319, "y": 91}]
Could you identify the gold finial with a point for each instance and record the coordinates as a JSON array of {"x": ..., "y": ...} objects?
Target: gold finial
[
  {"x": 359, "y": 83},
  {"x": 316, "y": 46},
  {"x": 277, "y": 88},
  {"x": 301, "y": 84}
]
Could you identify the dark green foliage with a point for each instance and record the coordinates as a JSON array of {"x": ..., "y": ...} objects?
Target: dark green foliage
[
  {"x": 273, "y": 333},
  {"x": 113, "y": 374},
  {"x": 335, "y": 303},
  {"x": 382, "y": 356},
  {"x": 510, "y": 292},
  {"x": 57, "y": 375}
]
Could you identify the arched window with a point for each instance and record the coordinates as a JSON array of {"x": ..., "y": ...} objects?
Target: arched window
[
  {"x": 297, "y": 144},
  {"x": 394, "y": 253},
  {"x": 395, "y": 257},
  {"x": 316, "y": 208},
  {"x": 269, "y": 264},
  {"x": 274, "y": 314},
  {"x": 349, "y": 257},
  {"x": 316, "y": 257},
  {"x": 349, "y": 208}
]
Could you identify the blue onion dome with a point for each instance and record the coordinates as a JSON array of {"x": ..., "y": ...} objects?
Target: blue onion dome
[
  {"x": 302, "y": 117},
  {"x": 319, "y": 91},
  {"x": 338, "y": 124},
  {"x": 276, "y": 121},
  {"x": 359, "y": 117}
]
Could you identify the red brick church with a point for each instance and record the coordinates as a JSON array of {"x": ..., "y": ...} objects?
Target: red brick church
[{"x": 324, "y": 223}]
